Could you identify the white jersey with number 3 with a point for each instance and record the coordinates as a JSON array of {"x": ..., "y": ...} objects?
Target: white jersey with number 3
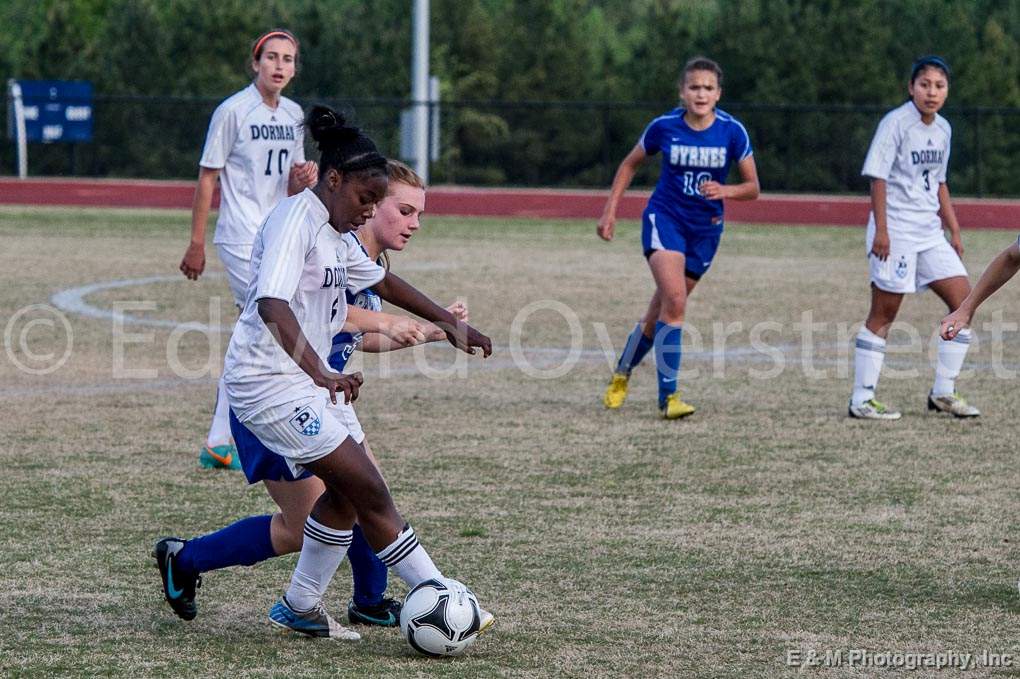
[
  {"x": 300, "y": 259},
  {"x": 254, "y": 146},
  {"x": 913, "y": 159}
]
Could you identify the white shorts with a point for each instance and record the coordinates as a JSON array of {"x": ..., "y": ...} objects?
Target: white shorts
[
  {"x": 906, "y": 271},
  {"x": 306, "y": 429},
  {"x": 237, "y": 261}
]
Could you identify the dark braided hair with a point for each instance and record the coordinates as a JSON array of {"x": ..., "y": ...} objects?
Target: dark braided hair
[{"x": 341, "y": 146}]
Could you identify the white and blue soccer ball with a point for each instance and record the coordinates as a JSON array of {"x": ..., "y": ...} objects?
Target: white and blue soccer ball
[{"x": 440, "y": 618}]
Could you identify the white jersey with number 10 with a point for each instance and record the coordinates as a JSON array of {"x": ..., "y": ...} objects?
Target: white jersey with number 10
[{"x": 254, "y": 146}]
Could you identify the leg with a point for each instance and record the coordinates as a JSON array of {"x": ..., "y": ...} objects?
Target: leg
[
  {"x": 295, "y": 500},
  {"x": 668, "y": 268},
  {"x": 869, "y": 354},
  {"x": 639, "y": 343},
  {"x": 951, "y": 353},
  {"x": 369, "y": 575}
]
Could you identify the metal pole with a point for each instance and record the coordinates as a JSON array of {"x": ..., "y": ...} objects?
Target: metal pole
[
  {"x": 19, "y": 127},
  {"x": 420, "y": 87}
]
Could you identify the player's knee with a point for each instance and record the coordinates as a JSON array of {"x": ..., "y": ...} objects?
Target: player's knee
[{"x": 673, "y": 306}]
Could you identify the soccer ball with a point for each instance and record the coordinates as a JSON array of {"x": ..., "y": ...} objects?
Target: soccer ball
[{"x": 440, "y": 618}]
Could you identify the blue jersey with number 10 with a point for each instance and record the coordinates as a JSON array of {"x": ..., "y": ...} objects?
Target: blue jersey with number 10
[{"x": 690, "y": 157}]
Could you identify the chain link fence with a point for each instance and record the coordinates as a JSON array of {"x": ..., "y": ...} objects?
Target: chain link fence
[{"x": 798, "y": 148}]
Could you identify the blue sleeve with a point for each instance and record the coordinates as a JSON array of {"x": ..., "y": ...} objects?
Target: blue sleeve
[
  {"x": 740, "y": 143},
  {"x": 651, "y": 140}
]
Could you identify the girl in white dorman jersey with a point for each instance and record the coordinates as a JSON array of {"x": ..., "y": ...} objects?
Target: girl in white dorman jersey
[
  {"x": 281, "y": 386},
  {"x": 907, "y": 249},
  {"x": 255, "y": 147}
]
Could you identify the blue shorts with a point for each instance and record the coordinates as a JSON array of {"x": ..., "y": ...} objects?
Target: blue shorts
[
  {"x": 258, "y": 462},
  {"x": 660, "y": 231}
]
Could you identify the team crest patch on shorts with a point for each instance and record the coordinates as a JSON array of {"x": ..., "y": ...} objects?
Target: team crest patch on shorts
[
  {"x": 306, "y": 422},
  {"x": 901, "y": 268}
]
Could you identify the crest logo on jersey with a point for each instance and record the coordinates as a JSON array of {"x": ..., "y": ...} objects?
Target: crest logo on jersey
[
  {"x": 901, "y": 268},
  {"x": 306, "y": 422}
]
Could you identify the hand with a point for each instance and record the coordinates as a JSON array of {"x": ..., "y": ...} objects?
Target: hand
[
  {"x": 466, "y": 338},
  {"x": 880, "y": 245},
  {"x": 459, "y": 311},
  {"x": 334, "y": 382},
  {"x": 712, "y": 190},
  {"x": 606, "y": 228},
  {"x": 302, "y": 175},
  {"x": 405, "y": 331},
  {"x": 957, "y": 243},
  {"x": 953, "y": 323},
  {"x": 193, "y": 263}
]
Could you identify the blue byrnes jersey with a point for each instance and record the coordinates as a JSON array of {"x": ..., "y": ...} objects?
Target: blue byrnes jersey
[
  {"x": 344, "y": 343},
  {"x": 689, "y": 158}
]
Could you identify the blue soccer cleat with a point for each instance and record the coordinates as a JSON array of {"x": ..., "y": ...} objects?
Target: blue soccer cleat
[{"x": 314, "y": 623}]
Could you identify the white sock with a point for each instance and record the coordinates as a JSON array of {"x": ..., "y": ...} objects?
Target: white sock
[
  {"x": 408, "y": 559},
  {"x": 869, "y": 352},
  {"x": 322, "y": 551},
  {"x": 949, "y": 362},
  {"x": 219, "y": 430}
]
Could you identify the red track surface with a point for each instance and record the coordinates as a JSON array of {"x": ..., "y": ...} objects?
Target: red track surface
[{"x": 544, "y": 203}]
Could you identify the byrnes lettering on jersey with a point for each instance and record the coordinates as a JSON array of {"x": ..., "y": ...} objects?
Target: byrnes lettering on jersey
[{"x": 697, "y": 156}]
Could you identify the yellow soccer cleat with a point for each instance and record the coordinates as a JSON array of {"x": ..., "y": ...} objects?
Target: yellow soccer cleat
[
  {"x": 616, "y": 392},
  {"x": 675, "y": 408}
]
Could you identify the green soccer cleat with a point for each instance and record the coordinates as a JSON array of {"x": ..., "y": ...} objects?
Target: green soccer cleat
[
  {"x": 219, "y": 457},
  {"x": 616, "y": 392},
  {"x": 872, "y": 410}
]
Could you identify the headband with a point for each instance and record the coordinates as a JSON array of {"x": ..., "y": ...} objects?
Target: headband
[
  {"x": 930, "y": 60},
  {"x": 267, "y": 36}
]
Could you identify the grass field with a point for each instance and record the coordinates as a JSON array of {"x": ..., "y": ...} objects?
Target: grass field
[{"x": 606, "y": 543}]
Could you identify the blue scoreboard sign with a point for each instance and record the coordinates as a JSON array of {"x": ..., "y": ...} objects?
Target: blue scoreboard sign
[{"x": 57, "y": 110}]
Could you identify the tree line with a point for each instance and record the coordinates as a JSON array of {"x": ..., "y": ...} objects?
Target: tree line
[{"x": 549, "y": 92}]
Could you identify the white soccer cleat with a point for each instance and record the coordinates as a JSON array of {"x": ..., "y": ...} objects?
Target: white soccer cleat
[
  {"x": 872, "y": 410},
  {"x": 954, "y": 404}
]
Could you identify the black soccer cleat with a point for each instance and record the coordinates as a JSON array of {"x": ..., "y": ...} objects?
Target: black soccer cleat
[
  {"x": 386, "y": 614},
  {"x": 178, "y": 587}
]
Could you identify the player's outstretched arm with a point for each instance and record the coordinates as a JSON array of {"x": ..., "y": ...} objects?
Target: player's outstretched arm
[
  {"x": 396, "y": 290},
  {"x": 621, "y": 181},
  {"x": 1002, "y": 268},
  {"x": 281, "y": 322},
  {"x": 193, "y": 263},
  {"x": 377, "y": 343},
  {"x": 402, "y": 330}
]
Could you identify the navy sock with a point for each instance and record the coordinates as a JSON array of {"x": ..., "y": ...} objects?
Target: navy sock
[
  {"x": 242, "y": 543},
  {"x": 368, "y": 571},
  {"x": 636, "y": 349},
  {"x": 668, "y": 341}
]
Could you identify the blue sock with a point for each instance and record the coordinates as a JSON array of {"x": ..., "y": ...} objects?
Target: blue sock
[
  {"x": 242, "y": 543},
  {"x": 368, "y": 571},
  {"x": 636, "y": 348},
  {"x": 668, "y": 340}
]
